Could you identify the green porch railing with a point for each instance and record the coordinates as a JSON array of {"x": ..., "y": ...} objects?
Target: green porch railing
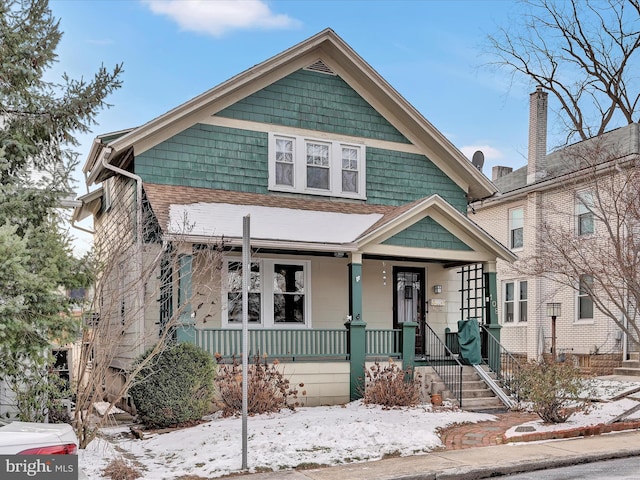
[
  {"x": 383, "y": 343},
  {"x": 276, "y": 342}
]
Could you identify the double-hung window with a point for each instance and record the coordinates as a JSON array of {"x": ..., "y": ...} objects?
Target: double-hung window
[
  {"x": 278, "y": 293},
  {"x": 318, "y": 167},
  {"x": 516, "y": 228},
  {"x": 585, "y": 302},
  {"x": 584, "y": 213},
  {"x": 234, "y": 292},
  {"x": 284, "y": 168},
  {"x": 515, "y": 302}
]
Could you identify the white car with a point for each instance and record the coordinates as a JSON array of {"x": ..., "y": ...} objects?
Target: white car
[{"x": 25, "y": 438}]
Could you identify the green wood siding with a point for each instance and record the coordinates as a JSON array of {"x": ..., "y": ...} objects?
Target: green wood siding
[
  {"x": 233, "y": 159},
  {"x": 427, "y": 233},
  {"x": 314, "y": 101},
  {"x": 396, "y": 178},
  {"x": 209, "y": 157}
]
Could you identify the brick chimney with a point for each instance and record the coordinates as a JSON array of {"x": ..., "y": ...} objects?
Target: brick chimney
[
  {"x": 536, "y": 168},
  {"x": 499, "y": 172}
]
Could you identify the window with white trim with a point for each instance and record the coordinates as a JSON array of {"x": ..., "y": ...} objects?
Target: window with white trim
[
  {"x": 585, "y": 302},
  {"x": 317, "y": 167},
  {"x": 278, "y": 293},
  {"x": 516, "y": 228},
  {"x": 515, "y": 306},
  {"x": 584, "y": 213}
]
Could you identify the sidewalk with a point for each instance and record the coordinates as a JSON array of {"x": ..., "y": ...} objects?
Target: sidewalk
[{"x": 475, "y": 451}]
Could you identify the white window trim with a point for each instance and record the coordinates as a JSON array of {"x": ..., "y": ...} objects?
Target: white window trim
[
  {"x": 515, "y": 249},
  {"x": 516, "y": 302},
  {"x": 577, "y": 319},
  {"x": 578, "y": 204},
  {"x": 300, "y": 170},
  {"x": 266, "y": 294}
]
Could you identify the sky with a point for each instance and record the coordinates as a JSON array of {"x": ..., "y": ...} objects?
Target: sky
[
  {"x": 433, "y": 52},
  {"x": 331, "y": 435}
]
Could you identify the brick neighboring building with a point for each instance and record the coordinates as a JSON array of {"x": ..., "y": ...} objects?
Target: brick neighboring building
[{"x": 536, "y": 193}]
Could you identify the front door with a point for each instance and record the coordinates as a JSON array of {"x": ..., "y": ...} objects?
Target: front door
[{"x": 409, "y": 301}]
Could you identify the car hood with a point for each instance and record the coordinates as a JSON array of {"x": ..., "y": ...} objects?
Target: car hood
[{"x": 18, "y": 436}]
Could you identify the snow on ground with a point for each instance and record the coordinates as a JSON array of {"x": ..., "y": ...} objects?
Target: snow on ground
[
  {"x": 602, "y": 389},
  {"x": 309, "y": 435}
]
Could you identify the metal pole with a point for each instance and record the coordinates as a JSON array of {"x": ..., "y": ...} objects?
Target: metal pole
[
  {"x": 246, "y": 272},
  {"x": 553, "y": 338}
]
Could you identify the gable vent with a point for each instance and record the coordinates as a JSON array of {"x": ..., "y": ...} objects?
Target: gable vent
[{"x": 320, "y": 66}]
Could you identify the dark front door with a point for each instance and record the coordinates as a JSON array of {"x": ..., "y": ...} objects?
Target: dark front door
[{"x": 409, "y": 301}]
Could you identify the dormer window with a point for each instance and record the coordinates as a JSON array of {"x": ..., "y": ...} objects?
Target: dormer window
[{"x": 317, "y": 167}]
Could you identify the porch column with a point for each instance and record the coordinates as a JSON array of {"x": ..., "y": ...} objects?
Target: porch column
[
  {"x": 491, "y": 309},
  {"x": 408, "y": 345},
  {"x": 186, "y": 331},
  {"x": 357, "y": 334}
]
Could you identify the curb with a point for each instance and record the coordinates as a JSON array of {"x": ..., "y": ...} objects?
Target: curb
[{"x": 588, "y": 431}]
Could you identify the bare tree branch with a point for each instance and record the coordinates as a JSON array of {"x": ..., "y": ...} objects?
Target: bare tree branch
[{"x": 584, "y": 52}]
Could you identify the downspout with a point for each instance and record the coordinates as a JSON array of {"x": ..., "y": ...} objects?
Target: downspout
[{"x": 106, "y": 153}]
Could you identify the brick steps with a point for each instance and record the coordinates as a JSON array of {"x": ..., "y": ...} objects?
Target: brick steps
[{"x": 629, "y": 367}]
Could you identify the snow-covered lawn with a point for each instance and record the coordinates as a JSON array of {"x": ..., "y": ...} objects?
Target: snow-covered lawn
[{"x": 307, "y": 436}]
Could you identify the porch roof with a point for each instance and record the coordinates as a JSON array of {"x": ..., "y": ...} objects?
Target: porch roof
[{"x": 201, "y": 214}]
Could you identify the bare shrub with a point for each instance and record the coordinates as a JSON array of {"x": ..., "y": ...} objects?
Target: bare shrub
[
  {"x": 555, "y": 390},
  {"x": 268, "y": 390},
  {"x": 390, "y": 386},
  {"x": 118, "y": 469}
]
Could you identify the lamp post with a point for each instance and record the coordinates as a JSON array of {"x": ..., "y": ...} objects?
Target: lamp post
[{"x": 553, "y": 311}]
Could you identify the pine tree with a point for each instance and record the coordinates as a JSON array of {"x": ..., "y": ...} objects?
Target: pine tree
[{"x": 38, "y": 124}]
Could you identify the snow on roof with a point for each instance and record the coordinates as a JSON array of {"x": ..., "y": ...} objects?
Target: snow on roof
[{"x": 269, "y": 223}]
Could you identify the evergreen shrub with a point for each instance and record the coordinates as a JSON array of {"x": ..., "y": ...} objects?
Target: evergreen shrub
[{"x": 175, "y": 388}]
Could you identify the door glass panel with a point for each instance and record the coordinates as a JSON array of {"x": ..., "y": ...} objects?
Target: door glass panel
[{"x": 409, "y": 296}]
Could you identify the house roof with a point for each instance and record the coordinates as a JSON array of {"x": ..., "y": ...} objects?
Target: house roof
[
  {"x": 200, "y": 214},
  {"x": 335, "y": 53},
  {"x": 615, "y": 145}
]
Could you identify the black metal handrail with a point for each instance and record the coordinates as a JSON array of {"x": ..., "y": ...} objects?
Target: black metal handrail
[
  {"x": 501, "y": 362},
  {"x": 444, "y": 362}
]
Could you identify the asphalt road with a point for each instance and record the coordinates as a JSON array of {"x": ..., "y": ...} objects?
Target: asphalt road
[{"x": 620, "y": 469}]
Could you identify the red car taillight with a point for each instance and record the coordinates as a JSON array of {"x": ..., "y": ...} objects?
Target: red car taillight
[{"x": 68, "y": 449}]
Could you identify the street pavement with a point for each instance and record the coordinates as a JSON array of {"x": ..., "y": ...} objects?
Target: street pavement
[{"x": 475, "y": 451}]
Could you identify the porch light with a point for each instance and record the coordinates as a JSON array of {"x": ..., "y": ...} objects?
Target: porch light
[
  {"x": 553, "y": 311},
  {"x": 437, "y": 289}
]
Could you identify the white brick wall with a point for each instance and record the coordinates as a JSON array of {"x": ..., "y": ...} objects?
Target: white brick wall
[{"x": 584, "y": 337}]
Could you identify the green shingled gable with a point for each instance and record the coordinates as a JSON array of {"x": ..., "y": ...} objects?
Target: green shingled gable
[
  {"x": 314, "y": 101},
  {"x": 236, "y": 159},
  {"x": 396, "y": 178},
  {"x": 427, "y": 233}
]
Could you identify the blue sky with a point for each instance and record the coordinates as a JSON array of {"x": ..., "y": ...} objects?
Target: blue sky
[{"x": 433, "y": 52}]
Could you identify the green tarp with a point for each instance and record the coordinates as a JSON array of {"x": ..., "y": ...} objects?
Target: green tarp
[{"x": 469, "y": 340}]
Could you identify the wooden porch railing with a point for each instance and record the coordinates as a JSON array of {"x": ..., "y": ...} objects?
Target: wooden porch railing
[
  {"x": 298, "y": 343},
  {"x": 276, "y": 342},
  {"x": 383, "y": 343}
]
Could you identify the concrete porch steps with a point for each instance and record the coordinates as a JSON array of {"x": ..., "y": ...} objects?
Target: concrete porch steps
[
  {"x": 629, "y": 367},
  {"x": 476, "y": 395}
]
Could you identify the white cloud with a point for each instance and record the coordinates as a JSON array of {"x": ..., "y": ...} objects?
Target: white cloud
[
  {"x": 221, "y": 16},
  {"x": 490, "y": 153}
]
